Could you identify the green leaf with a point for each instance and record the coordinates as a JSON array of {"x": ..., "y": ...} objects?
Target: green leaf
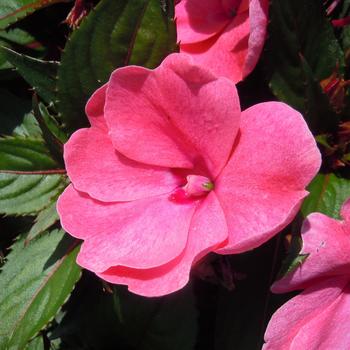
[
  {"x": 40, "y": 74},
  {"x": 35, "y": 282},
  {"x": 13, "y": 10},
  {"x": 17, "y": 36},
  {"x": 293, "y": 259},
  {"x": 36, "y": 344},
  {"x": 51, "y": 131},
  {"x": 299, "y": 31},
  {"x": 46, "y": 218},
  {"x": 24, "y": 154},
  {"x": 327, "y": 194},
  {"x": 16, "y": 117},
  {"x": 318, "y": 111},
  {"x": 49, "y": 124},
  {"x": 115, "y": 34},
  {"x": 28, "y": 194},
  {"x": 297, "y": 261}
]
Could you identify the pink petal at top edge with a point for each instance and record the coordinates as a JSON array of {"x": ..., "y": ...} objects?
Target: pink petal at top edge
[
  {"x": 225, "y": 53},
  {"x": 94, "y": 108},
  {"x": 262, "y": 186},
  {"x": 258, "y": 18},
  {"x": 175, "y": 116},
  {"x": 95, "y": 167},
  {"x": 290, "y": 319},
  {"x": 328, "y": 246},
  {"x": 198, "y": 20},
  {"x": 208, "y": 230},
  {"x": 139, "y": 234}
]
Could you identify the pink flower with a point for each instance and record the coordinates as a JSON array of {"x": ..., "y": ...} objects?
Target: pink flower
[
  {"x": 170, "y": 170},
  {"x": 226, "y": 36},
  {"x": 319, "y": 317}
]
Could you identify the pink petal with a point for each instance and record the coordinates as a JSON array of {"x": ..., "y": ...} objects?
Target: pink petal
[
  {"x": 345, "y": 213},
  {"x": 94, "y": 108},
  {"x": 173, "y": 116},
  {"x": 258, "y": 18},
  {"x": 95, "y": 167},
  {"x": 139, "y": 234},
  {"x": 310, "y": 320},
  {"x": 328, "y": 246},
  {"x": 224, "y": 54},
  {"x": 262, "y": 186},
  {"x": 330, "y": 330},
  {"x": 198, "y": 20},
  {"x": 208, "y": 230}
]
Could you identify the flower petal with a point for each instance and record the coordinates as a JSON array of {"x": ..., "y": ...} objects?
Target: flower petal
[
  {"x": 225, "y": 53},
  {"x": 95, "y": 167},
  {"x": 198, "y": 20},
  {"x": 139, "y": 234},
  {"x": 208, "y": 230},
  {"x": 137, "y": 123},
  {"x": 330, "y": 330},
  {"x": 345, "y": 212},
  {"x": 262, "y": 186},
  {"x": 328, "y": 246},
  {"x": 258, "y": 18},
  {"x": 300, "y": 323},
  {"x": 174, "y": 115},
  {"x": 94, "y": 108}
]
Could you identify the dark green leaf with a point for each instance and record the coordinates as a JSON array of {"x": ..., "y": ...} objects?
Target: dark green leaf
[
  {"x": 34, "y": 283},
  {"x": 52, "y": 133},
  {"x": 28, "y": 194},
  {"x": 293, "y": 259},
  {"x": 297, "y": 261},
  {"x": 318, "y": 110},
  {"x": 16, "y": 117},
  {"x": 36, "y": 344},
  {"x": 115, "y": 34},
  {"x": 327, "y": 194},
  {"x": 299, "y": 30},
  {"x": 17, "y": 36},
  {"x": 24, "y": 154},
  {"x": 40, "y": 74},
  {"x": 46, "y": 218},
  {"x": 13, "y": 10},
  {"x": 50, "y": 124}
]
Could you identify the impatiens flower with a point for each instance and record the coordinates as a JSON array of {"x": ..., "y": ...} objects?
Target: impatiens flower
[
  {"x": 226, "y": 36},
  {"x": 171, "y": 169},
  {"x": 319, "y": 317}
]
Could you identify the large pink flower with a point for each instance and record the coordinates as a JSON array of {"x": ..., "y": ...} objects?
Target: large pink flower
[
  {"x": 170, "y": 170},
  {"x": 319, "y": 317},
  {"x": 226, "y": 36}
]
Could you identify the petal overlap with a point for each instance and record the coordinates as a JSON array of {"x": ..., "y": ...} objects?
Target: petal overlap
[
  {"x": 173, "y": 125},
  {"x": 208, "y": 230},
  {"x": 90, "y": 152},
  {"x": 124, "y": 233}
]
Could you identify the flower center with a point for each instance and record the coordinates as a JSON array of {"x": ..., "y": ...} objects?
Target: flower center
[{"x": 196, "y": 186}]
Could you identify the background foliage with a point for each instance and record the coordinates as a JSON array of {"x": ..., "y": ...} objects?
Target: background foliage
[{"x": 49, "y": 65}]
